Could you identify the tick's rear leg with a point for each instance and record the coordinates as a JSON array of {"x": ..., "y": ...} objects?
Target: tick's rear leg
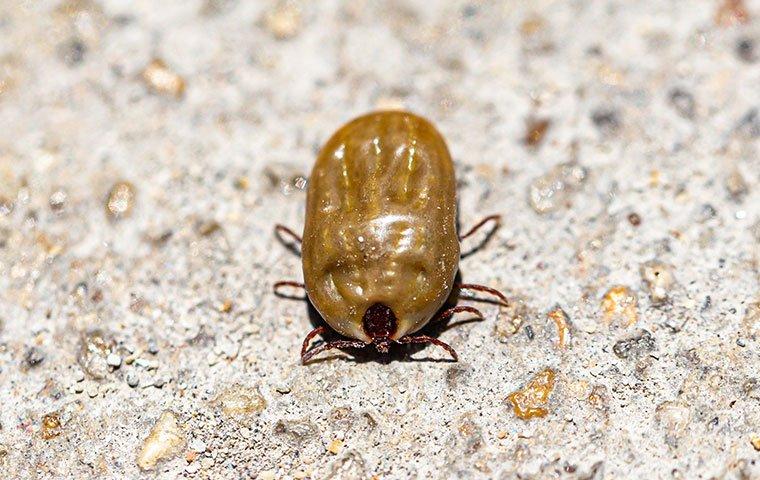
[
  {"x": 434, "y": 341},
  {"x": 281, "y": 230},
  {"x": 451, "y": 311},
  {"x": 491, "y": 218},
  {"x": 307, "y": 354},
  {"x": 289, "y": 238},
  {"x": 288, "y": 283},
  {"x": 483, "y": 288}
]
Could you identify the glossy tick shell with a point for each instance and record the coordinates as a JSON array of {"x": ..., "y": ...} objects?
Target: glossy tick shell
[{"x": 381, "y": 224}]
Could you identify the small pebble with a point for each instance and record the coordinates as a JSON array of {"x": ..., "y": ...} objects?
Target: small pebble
[
  {"x": 165, "y": 440},
  {"x": 94, "y": 348},
  {"x": 706, "y": 212},
  {"x": 226, "y": 306},
  {"x": 683, "y": 102},
  {"x": 674, "y": 416},
  {"x": 749, "y": 125},
  {"x": 335, "y": 446},
  {"x": 511, "y": 319},
  {"x": 79, "y": 376},
  {"x": 286, "y": 177},
  {"x": 536, "y": 131},
  {"x": 731, "y": 13},
  {"x": 197, "y": 445},
  {"x": 620, "y": 303},
  {"x": 207, "y": 228},
  {"x": 146, "y": 364},
  {"x": 192, "y": 468},
  {"x": 562, "y": 322},
  {"x": 242, "y": 183},
  {"x": 736, "y": 186},
  {"x": 33, "y": 357},
  {"x": 283, "y": 389},
  {"x": 606, "y": 120},
  {"x": 159, "y": 382},
  {"x": 745, "y": 50},
  {"x": 6, "y": 205},
  {"x": 120, "y": 200},
  {"x": 598, "y": 398},
  {"x": 92, "y": 390},
  {"x": 132, "y": 379},
  {"x": 211, "y": 8},
  {"x": 159, "y": 78},
  {"x": 57, "y": 200},
  {"x": 152, "y": 347},
  {"x": 531, "y": 401},
  {"x": 552, "y": 190},
  {"x": 72, "y": 52},
  {"x": 658, "y": 277},
  {"x": 113, "y": 360},
  {"x": 529, "y": 332},
  {"x": 751, "y": 320},
  {"x": 240, "y": 400},
  {"x": 284, "y": 20},
  {"x": 267, "y": 475},
  {"x": 755, "y": 441},
  {"x": 51, "y": 426},
  {"x": 212, "y": 359},
  {"x": 635, "y": 347}
]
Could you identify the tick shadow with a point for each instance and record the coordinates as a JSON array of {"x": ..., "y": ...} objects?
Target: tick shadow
[
  {"x": 397, "y": 352},
  {"x": 480, "y": 244}
]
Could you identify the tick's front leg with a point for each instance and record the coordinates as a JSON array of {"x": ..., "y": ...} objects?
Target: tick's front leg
[
  {"x": 434, "y": 341},
  {"x": 307, "y": 354}
]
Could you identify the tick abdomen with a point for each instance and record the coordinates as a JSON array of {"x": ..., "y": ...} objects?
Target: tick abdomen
[{"x": 380, "y": 223}]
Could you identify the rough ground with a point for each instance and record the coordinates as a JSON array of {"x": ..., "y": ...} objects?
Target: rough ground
[{"x": 148, "y": 148}]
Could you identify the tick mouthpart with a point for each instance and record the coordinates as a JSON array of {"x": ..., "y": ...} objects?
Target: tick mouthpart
[
  {"x": 382, "y": 344},
  {"x": 379, "y": 323}
]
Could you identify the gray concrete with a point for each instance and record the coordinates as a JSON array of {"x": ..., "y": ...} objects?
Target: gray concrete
[{"x": 139, "y": 336}]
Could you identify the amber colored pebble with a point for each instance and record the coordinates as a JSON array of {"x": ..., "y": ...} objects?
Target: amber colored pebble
[{"x": 530, "y": 401}]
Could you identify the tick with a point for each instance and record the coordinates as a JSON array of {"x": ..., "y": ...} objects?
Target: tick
[{"x": 380, "y": 247}]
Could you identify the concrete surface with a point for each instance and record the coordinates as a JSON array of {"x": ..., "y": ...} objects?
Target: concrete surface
[{"x": 148, "y": 148}]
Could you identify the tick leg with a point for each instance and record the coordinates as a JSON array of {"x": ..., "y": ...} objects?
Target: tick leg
[
  {"x": 281, "y": 230},
  {"x": 491, "y": 218},
  {"x": 434, "y": 341},
  {"x": 307, "y": 340},
  {"x": 451, "y": 311},
  {"x": 288, "y": 283},
  {"x": 483, "y": 288},
  {"x": 307, "y": 355}
]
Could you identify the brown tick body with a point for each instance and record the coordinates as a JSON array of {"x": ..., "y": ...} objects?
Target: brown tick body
[{"x": 380, "y": 247}]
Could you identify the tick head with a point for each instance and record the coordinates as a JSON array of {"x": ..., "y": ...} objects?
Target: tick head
[{"x": 379, "y": 323}]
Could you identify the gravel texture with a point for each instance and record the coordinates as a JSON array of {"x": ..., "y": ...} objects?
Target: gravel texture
[{"x": 148, "y": 148}]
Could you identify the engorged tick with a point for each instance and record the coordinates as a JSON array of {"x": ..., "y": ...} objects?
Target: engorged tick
[{"x": 380, "y": 246}]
